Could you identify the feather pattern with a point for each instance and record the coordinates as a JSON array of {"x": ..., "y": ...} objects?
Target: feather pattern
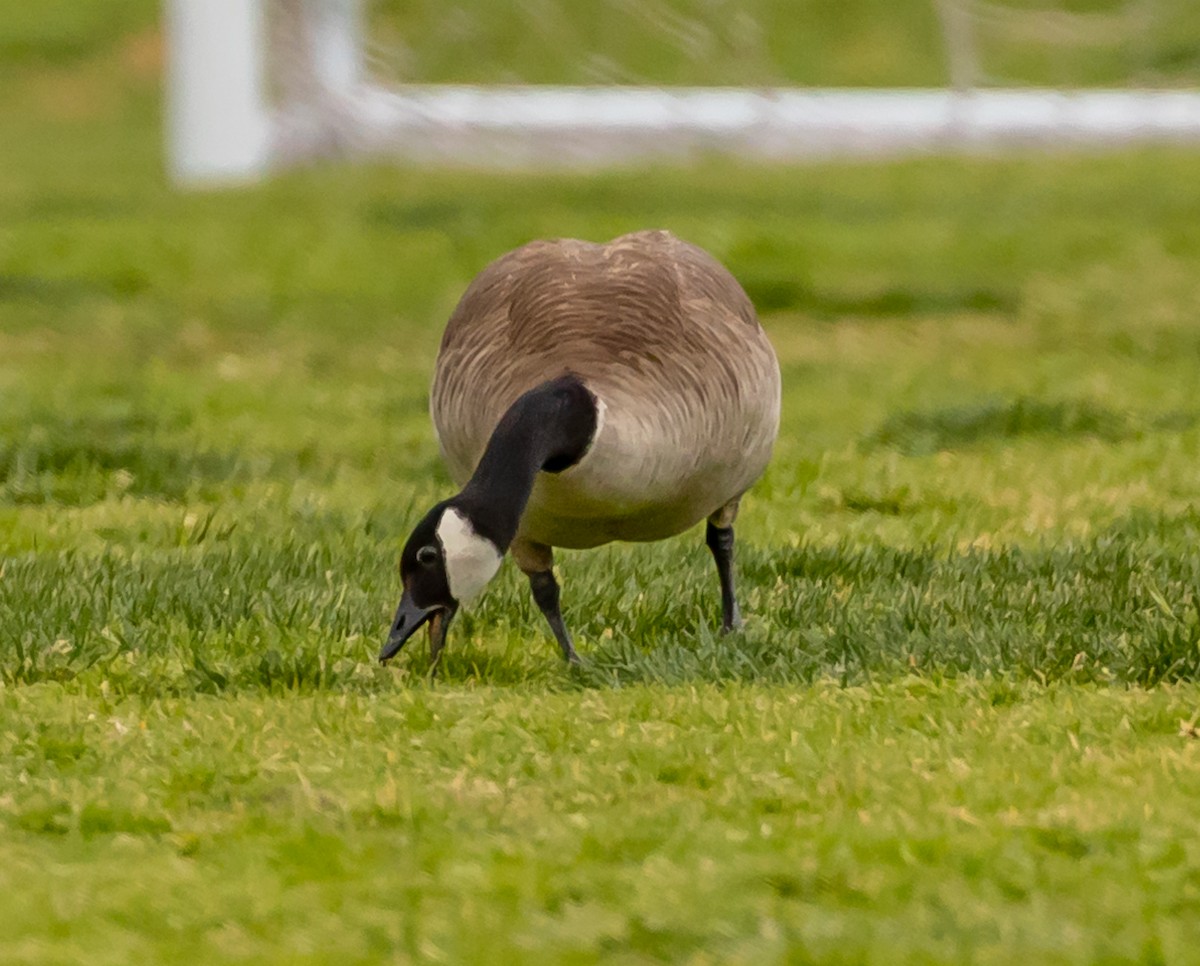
[{"x": 669, "y": 344}]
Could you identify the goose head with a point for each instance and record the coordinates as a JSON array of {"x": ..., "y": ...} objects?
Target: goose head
[{"x": 446, "y": 562}]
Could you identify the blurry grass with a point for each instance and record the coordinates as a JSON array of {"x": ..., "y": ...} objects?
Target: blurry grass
[
  {"x": 959, "y": 724},
  {"x": 57, "y": 32},
  {"x": 921, "y": 433},
  {"x": 120, "y": 448}
]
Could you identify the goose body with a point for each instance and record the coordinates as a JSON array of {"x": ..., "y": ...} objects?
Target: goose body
[
  {"x": 667, "y": 341},
  {"x": 619, "y": 391}
]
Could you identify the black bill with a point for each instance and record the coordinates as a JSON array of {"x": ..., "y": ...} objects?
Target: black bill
[{"x": 409, "y": 617}]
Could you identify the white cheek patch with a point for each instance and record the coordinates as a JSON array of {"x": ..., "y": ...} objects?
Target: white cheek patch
[{"x": 471, "y": 560}]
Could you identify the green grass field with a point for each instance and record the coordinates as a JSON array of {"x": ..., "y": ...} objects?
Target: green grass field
[{"x": 960, "y": 724}]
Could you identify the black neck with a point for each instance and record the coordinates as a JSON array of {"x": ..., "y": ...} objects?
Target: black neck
[{"x": 549, "y": 428}]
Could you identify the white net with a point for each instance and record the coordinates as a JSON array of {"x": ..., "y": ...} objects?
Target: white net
[
  {"x": 607, "y": 42},
  {"x": 1099, "y": 43},
  {"x": 775, "y": 43}
]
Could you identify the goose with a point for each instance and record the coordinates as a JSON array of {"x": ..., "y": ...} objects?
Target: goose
[{"x": 586, "y": 393}]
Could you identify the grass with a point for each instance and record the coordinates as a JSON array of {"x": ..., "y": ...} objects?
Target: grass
[
  {"x": 960, "y": 724},
  {"x": 911, "y": 821}
]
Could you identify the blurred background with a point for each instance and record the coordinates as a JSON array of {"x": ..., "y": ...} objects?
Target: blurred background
[
  {"x": 984, "y": 341},
  {"x": 542, "y": 83},
  {"x": 102, "y": 102},
  {"x": 300, "y": 61},
  {"x": 237, "y": 87}
]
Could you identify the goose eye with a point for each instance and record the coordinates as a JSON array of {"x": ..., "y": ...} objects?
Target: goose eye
[{"x": 427, "y": 556}]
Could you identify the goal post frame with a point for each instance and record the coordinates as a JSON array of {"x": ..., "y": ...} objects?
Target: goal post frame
[
  {"x": 218, "y": 125},
  {"x": 221, "y": 125},
  {"x": 234, "y": 115}
]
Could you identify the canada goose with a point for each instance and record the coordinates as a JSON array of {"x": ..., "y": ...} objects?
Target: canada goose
[{"x": 587, "y": 393}]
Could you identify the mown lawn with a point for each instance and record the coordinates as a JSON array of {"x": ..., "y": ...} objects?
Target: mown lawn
[
  {"x": 960, "y": 724},
  {"x": 915, "y": 820}
]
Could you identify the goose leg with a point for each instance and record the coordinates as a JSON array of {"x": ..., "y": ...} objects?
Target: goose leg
[
  {"x": 719, "y": 536},
  {"x": 545, "y": 593},
  {"x": 537, "y": 561}
]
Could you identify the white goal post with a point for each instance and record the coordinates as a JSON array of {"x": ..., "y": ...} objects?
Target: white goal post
[{"x": 233, "y": 114}]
